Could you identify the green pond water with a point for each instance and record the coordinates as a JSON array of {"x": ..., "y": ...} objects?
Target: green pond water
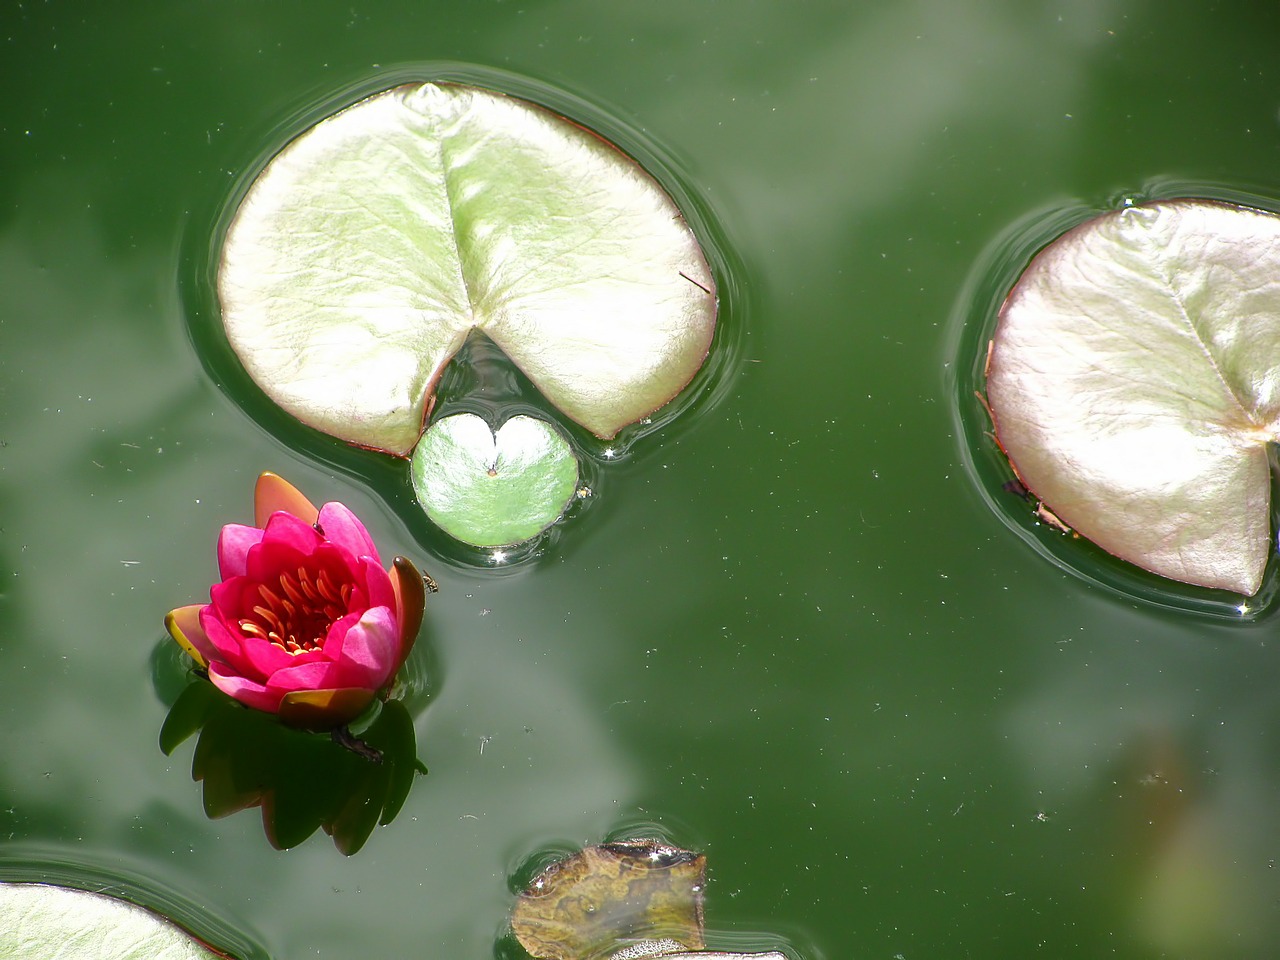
[{"x": 796, "y": 628}]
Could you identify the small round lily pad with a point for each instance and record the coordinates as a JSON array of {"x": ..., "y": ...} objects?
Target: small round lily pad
[{"x": 493, "y": 489}]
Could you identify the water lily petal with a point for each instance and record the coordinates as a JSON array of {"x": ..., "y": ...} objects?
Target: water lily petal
[
  {"x": 223, "y": 637},
  {"x": 378, "y": 590},
  {"x": 318, "y": 709},
  {"x": 272, "y": 493},
  {"x": 234, "y": 543},
  {"x": 343, "y": 528},
  {"x": 316, "y": 675},
  {"x": 251, "y": 694},
  {"x": 370, "y": 650},
  {"x": 411, "y": 597},
  {"x": 286, "y": 530},
  {"x": 183, "y": 625}
]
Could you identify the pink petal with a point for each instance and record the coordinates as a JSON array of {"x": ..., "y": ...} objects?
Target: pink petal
[
  {"x": 343, "y": 528},
  {"x": 263, "y": 658},
  {"x": 246, "y": 691},
  {"x": 233, "y": 548},
  {"x": 370, "y": 651},
  {"x": 224, "y": 638},
  {"x": 378, "y": 591},
  {"x": 317, "y": 675},
  {"x": 287, "y": 530},
  {"x": 235, "y": 597}
]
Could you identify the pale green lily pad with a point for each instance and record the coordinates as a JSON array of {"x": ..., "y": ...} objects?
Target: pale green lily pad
[
  {"x": 1134, "y": 383},
  {"x": 493, "y": 490},
  {"x": 42, "y": 922},
  {"x": 375, "y": 242}
]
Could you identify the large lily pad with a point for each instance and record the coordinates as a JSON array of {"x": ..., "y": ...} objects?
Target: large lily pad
[
  {"x": 43, "y": 922},
  {"x": 1134, "y": 382},
  {"x": 493, "y": 490},
  {"x": 369, "y": 248}
]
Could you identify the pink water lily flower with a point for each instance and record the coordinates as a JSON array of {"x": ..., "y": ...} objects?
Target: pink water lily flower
[{"x": 305, "y": 622}]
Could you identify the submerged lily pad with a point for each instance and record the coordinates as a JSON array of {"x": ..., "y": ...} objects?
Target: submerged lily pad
[
  {"x": 43, "y": 922},
  {"x": 493, "y": 490},
  {"x": 374, "y": 243},
  {"x": 604, "y": 898},
  {"x": 1134, "y": 383}
]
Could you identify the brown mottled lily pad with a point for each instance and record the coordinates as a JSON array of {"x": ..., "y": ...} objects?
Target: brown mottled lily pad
[{"x": 608, "y": 897}]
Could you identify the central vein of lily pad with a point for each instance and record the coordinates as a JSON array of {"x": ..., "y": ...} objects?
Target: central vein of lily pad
[{"x": 299, "y": 620}]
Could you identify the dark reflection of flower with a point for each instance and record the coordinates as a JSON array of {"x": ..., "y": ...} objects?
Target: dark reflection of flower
[{"x": 342, "y": 782}]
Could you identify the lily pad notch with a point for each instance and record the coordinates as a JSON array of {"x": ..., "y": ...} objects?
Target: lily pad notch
[
  {"x": 369, "y": 249},
  {"x": 1133, "y": 382}
]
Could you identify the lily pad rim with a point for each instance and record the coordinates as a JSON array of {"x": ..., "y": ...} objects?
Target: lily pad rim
[{"x": 970, "y": 328}]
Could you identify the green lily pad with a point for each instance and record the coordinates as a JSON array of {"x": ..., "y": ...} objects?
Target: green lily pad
[
  {"x": 1134, "y": 383},
  {"x": 372, "y": 245},
  {"x": 493, "y": 490},
  {"x": 43, "y": 922}
]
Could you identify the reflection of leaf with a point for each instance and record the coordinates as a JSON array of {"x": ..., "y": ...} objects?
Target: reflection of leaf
[
  {"x": 302, "y": 781},
  {"x": 602, "y": 898},
  {"x": 42, "y": 922},
  {"x": 493, "y": 490},
  {"x": 370, "y": 247},
  {"x": 1134, "y": 382}
]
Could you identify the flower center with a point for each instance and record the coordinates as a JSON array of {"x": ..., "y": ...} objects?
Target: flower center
[{"x": 297, "y": 618}]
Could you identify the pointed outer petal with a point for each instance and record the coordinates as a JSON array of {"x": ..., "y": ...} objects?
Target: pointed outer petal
[
  {"x": 272, "y": 493},
  {"x": 369, "y": 654},
  {"x": 343, "y": 528},
  {"x": 411, "y": 598},
  {"x": 233, "y": 549},
  {"x": 246, "y": 691},
  {"x": 322, "y": 709},
  {"x": 183, "y": 625}
]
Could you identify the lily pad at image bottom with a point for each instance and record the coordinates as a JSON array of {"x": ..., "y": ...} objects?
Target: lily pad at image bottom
[
  {"x": 43, "y": 922},
  {"x": 494, "y": 489}
]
